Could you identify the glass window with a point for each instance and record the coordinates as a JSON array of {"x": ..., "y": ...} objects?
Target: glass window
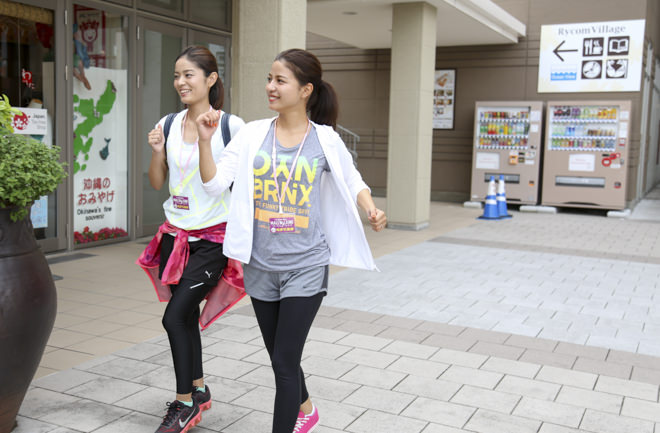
[
  {"x": 27, "y": 78},
  {"x": 100, "y": 123},
  {"x": 215, "y": 13},
  {"x": 122, "y": 2},
  {"x": 158, "y": 99},
  {"x": 167, "y": 7},
  {"x": 220, "y": 52},
  {"x": 219, "y": 46}
]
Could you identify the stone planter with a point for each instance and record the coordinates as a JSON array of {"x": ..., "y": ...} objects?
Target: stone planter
[{"x": 28, "y": 304}]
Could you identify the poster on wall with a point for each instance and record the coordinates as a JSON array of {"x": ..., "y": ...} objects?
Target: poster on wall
[
  {"x": 35, "y": 123},
  {"x": 591, "y": 57},
  {"x": 100, "y": 162},
  {"x": 89, "y": 36},
  {"x": 444, "y": 99}
]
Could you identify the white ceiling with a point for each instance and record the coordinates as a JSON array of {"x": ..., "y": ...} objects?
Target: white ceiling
[{"x": 367, "y": 24}]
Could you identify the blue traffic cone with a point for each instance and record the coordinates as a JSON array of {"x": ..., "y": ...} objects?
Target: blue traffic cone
[
  {"x": 490, "y": 210},
  {"x": 502, "y": 211}
]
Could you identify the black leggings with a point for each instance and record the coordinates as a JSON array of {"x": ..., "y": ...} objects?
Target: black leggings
[
  {"x": 181, "y": 323},
  {"x": 284, "y": 326}
]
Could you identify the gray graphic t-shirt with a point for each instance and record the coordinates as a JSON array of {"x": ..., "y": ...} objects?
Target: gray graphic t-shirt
[{"x": 293, "y": 239}]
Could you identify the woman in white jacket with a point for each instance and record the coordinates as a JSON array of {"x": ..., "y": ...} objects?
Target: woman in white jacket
[{"x": 293, "y": 213}]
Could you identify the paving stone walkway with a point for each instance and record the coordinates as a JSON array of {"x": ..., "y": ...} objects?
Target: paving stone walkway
[
  {"x": 572, "y": 298},
  {"x": 360, "y": 383},
  {"x": 539, "y": 324}
]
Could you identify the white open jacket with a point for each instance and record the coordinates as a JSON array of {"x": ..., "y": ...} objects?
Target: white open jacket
[{"x": 340, "y": 220}]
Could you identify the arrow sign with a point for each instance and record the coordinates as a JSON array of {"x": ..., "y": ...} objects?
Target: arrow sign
[{"x": 557, "y": 51}]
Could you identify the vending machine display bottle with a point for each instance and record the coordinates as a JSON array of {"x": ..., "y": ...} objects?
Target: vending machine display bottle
[
  {"x": 507, "y": 141},
  {"x": 586, "y": 144}
]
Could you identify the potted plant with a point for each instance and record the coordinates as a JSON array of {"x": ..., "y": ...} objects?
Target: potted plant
[{"x": 29, "y": 169}]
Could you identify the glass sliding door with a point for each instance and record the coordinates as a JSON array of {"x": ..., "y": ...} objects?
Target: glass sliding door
[
  {"x": 219, "y": 45},
  {"x": 158, "y": 47},
  {"x": 27, "y": 77},
  {"x": 100, "y": 125}
]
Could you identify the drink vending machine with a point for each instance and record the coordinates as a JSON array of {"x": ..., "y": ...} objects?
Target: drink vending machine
[
  {"x": 586, "y": 152},
  {"x": 507, "y": 141}
]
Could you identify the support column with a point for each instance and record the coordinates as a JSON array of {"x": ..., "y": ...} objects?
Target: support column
[
  {"x": 411, "y": 115},
  {"x": 262, "y": 28}
]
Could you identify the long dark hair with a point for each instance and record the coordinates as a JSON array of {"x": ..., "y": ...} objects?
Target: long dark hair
[
  {"x": 323, "y": 106},
  {"x": 205, "y": 60}
]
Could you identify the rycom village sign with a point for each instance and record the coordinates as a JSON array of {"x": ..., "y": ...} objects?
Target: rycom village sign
[{"x": 591, "y": 57}]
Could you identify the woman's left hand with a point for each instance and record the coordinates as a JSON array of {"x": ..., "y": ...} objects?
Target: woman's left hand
[
  {"x": 206, "y": 124},
  {"x": 377, "y": 219}
]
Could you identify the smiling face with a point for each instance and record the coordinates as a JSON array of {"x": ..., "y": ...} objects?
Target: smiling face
[
  {"x": 191, "y": 82},
  {"x": 284, "y": 91}
]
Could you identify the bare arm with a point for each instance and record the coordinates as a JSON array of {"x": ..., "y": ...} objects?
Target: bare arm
[
  {"x": 216, "y": 177},
  {"x": 377, "y": 217},
  {"x": 158, "y": 165},
  {"x": 207, "y": 168},
  {"x": 207, "y": 123},
  {"x": 352, "y": 177}
]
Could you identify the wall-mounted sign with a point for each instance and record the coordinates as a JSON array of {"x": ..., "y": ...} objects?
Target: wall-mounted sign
[
  {"x": 444, "y": 97},
  {"x": 591, "y": 57},
  {"x": 32, "y": 121}
]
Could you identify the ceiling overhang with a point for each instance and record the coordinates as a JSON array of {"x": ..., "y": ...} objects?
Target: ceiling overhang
[{"x": 367, "y": 24}]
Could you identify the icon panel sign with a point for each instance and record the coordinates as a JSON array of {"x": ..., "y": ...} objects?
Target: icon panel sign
[{"x": 591, "y": 57}]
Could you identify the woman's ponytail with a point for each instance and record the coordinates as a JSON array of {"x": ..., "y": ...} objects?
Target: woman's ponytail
[
  {"x": 217, "y": 94},
  {"x": 323, "y": 105}
]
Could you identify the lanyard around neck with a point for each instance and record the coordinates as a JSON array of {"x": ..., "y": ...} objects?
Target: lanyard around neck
[
  {"x": 280, "y": 197},
  {"x": 183, "y": 130}
]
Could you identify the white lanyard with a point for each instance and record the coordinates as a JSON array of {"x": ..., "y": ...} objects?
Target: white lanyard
[{"x": 280, "y": 197}]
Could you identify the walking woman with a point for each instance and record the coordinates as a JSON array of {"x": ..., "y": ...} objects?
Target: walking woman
[
  {"x": 185, "y": 259},
  {"x": 293, "y": 213}
]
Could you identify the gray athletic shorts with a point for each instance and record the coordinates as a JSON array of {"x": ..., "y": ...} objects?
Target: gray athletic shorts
[{"x": 274, "y": 286}]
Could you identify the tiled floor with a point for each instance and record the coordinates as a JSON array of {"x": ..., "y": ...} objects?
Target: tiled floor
[
  {"x": 539, "y": 324},
  {"x": 105, "y": 302},
  {"x": 455, "y": 379}
]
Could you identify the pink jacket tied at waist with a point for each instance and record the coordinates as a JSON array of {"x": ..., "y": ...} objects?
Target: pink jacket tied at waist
[{"x": 221, "y": 298}]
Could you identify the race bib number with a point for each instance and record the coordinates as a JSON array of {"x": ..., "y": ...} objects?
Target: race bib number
[
  {"x": 180, "y": 202},
  {"x": 283, "y": 224}
]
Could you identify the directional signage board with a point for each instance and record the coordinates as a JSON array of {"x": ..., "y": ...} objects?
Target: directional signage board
[{"x": 591, "y": 57}]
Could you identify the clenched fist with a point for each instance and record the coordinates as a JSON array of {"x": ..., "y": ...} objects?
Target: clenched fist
[
  {"x": 156, "y": 139},
  {"x": 206, "y": 124}
]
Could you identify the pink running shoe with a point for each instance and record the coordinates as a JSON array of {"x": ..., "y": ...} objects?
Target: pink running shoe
[{"x": 307, "y": 423}]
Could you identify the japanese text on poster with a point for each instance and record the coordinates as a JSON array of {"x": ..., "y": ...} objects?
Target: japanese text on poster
[{"x": 100, "y": 155}]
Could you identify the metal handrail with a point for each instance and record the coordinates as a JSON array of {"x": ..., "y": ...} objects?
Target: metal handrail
[{"x": 351, "y": 139}]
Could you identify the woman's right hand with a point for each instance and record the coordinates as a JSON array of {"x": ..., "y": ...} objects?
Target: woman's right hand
[{"x": 156, "y": 139}]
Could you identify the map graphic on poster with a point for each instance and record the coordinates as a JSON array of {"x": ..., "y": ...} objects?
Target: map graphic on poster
[
  {"x": 591, "y": 57},
  {"x": 100, "y": 155},
  {"x": 92, "y": 114}
]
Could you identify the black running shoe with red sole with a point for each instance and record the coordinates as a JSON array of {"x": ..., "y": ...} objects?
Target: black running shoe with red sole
[
  {"x": 180, "y": 418},
  {"x": 203, "y": 399}
]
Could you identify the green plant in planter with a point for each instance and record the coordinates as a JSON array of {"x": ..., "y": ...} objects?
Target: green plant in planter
[{"x": 29, "y": 168}]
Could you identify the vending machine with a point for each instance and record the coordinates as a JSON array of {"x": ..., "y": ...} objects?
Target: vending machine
[
  {"x": 507, "y": 141},
  {"x": 586, "y": 152}
]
